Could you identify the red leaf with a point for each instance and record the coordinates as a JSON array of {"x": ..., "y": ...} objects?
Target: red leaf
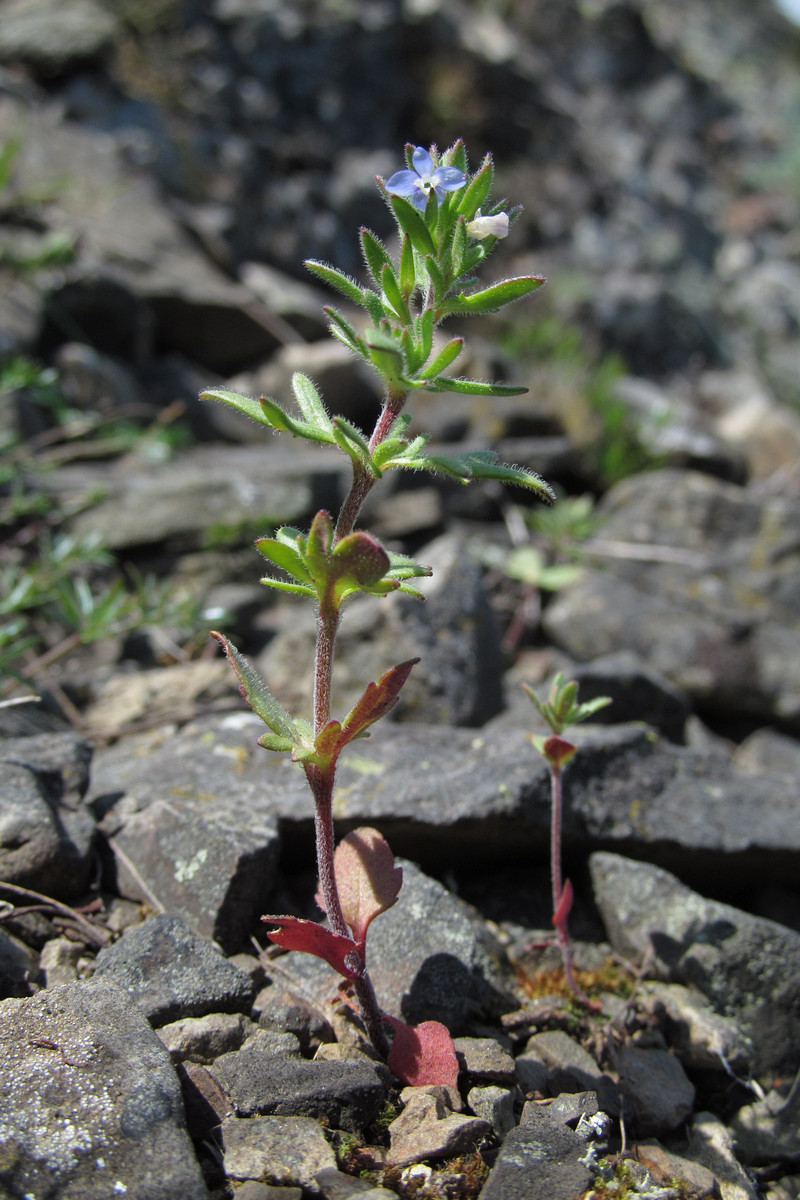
[
  {"x": 367, "y": 879},
  {"x": 564, "y": 906},
  {"x": 558, "y": 751},
  {"x": 377, "y": 700},
  {"x": 294, "y": 933},
  {"x": 422, "y": 1054}
]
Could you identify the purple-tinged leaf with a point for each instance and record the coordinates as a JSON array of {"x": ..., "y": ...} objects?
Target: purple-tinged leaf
[
  {"x": 422, "y": 1055},
  {"x": 294, "y": 933},
  {"x": 557, "y": 751},
  {"x": 563, "y": 910},
  {"x": 377, "y": 700},
  {"x": 367, "y": 878}
]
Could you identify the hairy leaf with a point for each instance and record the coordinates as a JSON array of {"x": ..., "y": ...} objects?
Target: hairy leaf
[
  {"x": 413, "y": 225},
  {"x": 492, "y": 299},
  {"x": 256, "y": 692},
  {"x": 367, "y": 878},
  {"x": 338, "y": 280},
  {"x": 310, "y": 402}
]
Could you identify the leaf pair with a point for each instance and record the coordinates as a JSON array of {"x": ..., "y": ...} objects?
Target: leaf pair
[
  {"x": 368, "y": 883},
  {"x": 561, "y": 707},
  {"x": 296, "y": 735},
  {"x": 331, "y": 571}
]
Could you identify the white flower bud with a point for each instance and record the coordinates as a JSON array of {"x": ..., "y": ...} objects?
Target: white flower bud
[{"x": 494, "y": 226}]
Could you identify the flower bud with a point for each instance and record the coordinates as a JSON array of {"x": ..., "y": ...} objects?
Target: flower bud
[{"x": 493, "y": 226}]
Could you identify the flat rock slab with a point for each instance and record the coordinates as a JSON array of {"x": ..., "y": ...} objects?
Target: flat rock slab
[
  {"x": 91, "y": 1104},
  {"x": 539, "y": 1160},
  {"x": 170, "y": 972},
  {"x": 748, "y": 967},
  {"x": 443, "y": 795}
]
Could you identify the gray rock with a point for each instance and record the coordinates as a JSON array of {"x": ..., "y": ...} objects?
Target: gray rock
[
  {"x": 202, "y": 1039},
  {"x": 637, "y": 692},
  {"x": 92, "y": 1106},
  {"x": 43, "y": 843},
  {"x": 171, "y": 972},
  {"x": 539, "y": 1160},
  {"x": 484, "y": 1060},
  {"x": 656, "y": 1093},
  {"x": 348, "y": 1095},
  {"x": 747, "y": 967},
  {"x": 769, "y": 1130},
  {"x": 445, "y": 796},
  {"x": 206, "y": 496},
  {"x": 701, "y": 1038},
  {"x": 213, "y": 872},
  {"x": 711, "y": 1143},
  {"x": 17, "y": 967},
  {"x": 54, "y": 36},
  {"x": 495, "y": 1105},
  {"x": 701, "y": 578},
  {"x": 768, "y": 752},
  {"x": 287, "y": 1151},
  {"x": 568, "y": 1068},
  {"x": 426, "y": 1128}
]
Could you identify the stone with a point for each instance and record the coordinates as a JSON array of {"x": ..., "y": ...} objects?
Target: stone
[
  {"x": 748, "y": 968},
  {"x": 637, "y": 693},
  {"x": 766, "y": 751},
  {"x": 569, "y": 1068},
  {"x": 484, "y": 1060},
  {"x": 170, "y": 972},
  {"x": 711, "y": 1143},
  {"x": 666, "y": 1168},
  {"x": 539, "y": 1160},
  {"x": 206, "y": 497},
  {"x": 495, "y": 1105},
  {"x": 52, "y": 36},
  {"x": 59, "y": 961},
  {"x": 427, "y": 1129},
  {"x": 700, "y": 578},
  {"x": 44, "y": 844},
  {"x": 286, "y": 1151},
  {"x": 204, "y": 867},
  {"x": 93, "y": 1107},
  {"x": 17, "y": 967},
  {"x": 702, "y": 1039},
  {"x": 656, "y": 1092},
  {"x": 348, "y": 1095},
  {"x": 769, "y": 1129},
  {"x": 202, "y": 1039},
  {"x": 482, "y": 797}
]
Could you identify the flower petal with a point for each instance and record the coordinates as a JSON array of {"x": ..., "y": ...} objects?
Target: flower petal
[
  {"x": 402, "y": 183},
  {"x": 448, "y": 178},
  {"x": 423, "y": 163}
]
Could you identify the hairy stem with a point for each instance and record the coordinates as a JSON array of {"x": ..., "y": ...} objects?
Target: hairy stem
[
  {"x": 322, "y": 784},
  {"x": 555, "y": 836}
]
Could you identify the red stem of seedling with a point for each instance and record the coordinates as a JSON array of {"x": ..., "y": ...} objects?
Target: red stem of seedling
[{"x": 562, "y": 894}]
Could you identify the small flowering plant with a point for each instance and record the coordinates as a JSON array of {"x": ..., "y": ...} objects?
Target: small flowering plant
[
  {"x": 443, "y": 236},
  {"x": 560, "y": 710}
]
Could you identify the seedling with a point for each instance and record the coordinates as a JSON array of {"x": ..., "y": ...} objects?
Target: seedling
[
  {"x": 560, "y": 710},
  {"x": 445, "y": 231}
]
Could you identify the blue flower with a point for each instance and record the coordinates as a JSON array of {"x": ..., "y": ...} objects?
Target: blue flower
[{"x": 417, "y": 185}]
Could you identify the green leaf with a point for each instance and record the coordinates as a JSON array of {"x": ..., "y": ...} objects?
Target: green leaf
[
  {"x": 438, "y": 281},
  {"x": 258, "y": 695},
  {"x": 341, "y": 328},
  {"x": 425, "y": 333},
  {"x": 491, "y": 299},
  {"x": 338, "y": 280},
  {"x": 244, "y": 404},
  {"x": 475, "y": 194},
  {"x": 351, "y": 440},
  {"x": 387, "y": 355},
  {"x": 278, "y": 418},
  {"x": 391, "y": 290},
  {"x": 447, "y": 355},
  {"x": 483, "y": 464},
  {"x": 286, "y": 558},
  {"x": 474, "y": 387},
  {"x": 408, "y": 271},
  {"x": 376, "y": 256},
  {"x": 413, "y": 225},
  {"x": 589, "y": 708},
  {"x": 372, "y": 303},
  {"x": 296, "y": 589},
  {"x": 456, "y": 156},
  {"x": 310, "y": 403}
]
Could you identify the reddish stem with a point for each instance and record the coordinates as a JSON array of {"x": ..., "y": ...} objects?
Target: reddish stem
[{"x": 559, "y": 916}]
